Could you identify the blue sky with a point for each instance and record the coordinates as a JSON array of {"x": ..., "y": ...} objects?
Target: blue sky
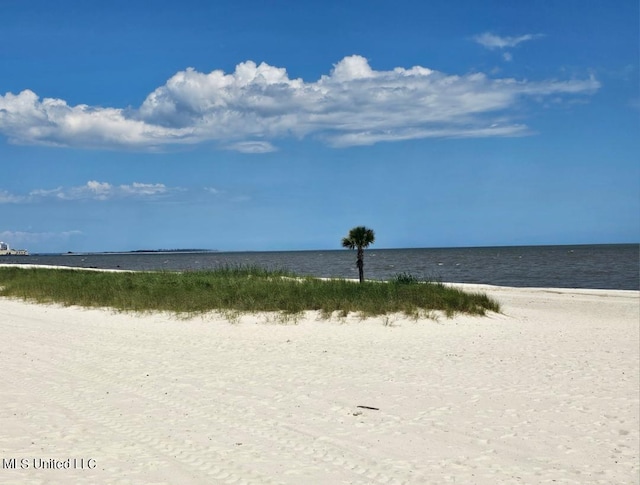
[{"x": 255, "y": 125}]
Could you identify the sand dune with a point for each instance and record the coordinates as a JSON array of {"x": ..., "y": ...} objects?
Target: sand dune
[{"x": 546, "y": 392}]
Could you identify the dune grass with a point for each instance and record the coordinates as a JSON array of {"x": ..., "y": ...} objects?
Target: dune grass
[{"x": 239, "y": 289}]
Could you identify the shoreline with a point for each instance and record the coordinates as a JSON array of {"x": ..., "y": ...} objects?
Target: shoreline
[
  {"x": 51, "y": 266},
  {"x": 545, "y": 391},
  {"x": 463, "y": 286}
]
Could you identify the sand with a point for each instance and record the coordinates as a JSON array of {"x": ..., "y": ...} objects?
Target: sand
[{"x": 545, "y": 392}]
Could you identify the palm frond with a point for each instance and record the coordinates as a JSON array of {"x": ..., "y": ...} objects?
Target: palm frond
[
  {"x": 348, "y": 243},
  {"x": 360, "y": 237}
]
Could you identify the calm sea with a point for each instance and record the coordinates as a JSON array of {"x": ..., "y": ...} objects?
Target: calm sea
[{"x": 615, "y": 266}]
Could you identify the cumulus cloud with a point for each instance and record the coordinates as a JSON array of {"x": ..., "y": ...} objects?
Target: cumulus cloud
[
  {"x": 24, "y": 118},
  {"x": 492, "y": 41},
  {"x": 92, "y": 190},
  {"x": 352, "y": 105}
]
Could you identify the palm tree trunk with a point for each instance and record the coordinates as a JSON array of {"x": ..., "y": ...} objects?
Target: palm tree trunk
[{"x": 360, "y": 264}]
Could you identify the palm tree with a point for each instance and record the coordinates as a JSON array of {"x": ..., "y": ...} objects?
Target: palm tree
[{"x": 359, "y": 237}]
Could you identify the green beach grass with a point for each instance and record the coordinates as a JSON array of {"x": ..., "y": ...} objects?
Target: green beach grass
[{"x": 240, "y": 289}]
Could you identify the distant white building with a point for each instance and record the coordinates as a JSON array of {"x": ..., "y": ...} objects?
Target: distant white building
[{"x": 5, "y": 250}]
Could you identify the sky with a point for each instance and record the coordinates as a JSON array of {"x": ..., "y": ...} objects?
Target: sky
[{"x": 278, "y": 125}]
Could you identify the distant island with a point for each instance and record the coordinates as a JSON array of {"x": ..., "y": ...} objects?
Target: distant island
[
  {"x": 174, "y": 251},
  {"x": 146, "y": 251}
]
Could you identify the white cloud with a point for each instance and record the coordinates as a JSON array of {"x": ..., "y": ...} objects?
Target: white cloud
[
  {"x": 91, "y": 190},
  {"x": 142, "y": 190},
  {"x": 370, "y": 138},
  {"x": 492, "y": 41},
  {"x": 18, "y": 239},
  {"x": 7, "y": 198},
  {"x": 104, "y": 190},
  {"x": 353, "y": 104},
  {"x": 24, "y": 118},
  {"x": 252, "y": 147},
  {"x": 351, "y": 68}
]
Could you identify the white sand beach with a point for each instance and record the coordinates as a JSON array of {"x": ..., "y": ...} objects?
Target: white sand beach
[{"x": 545, "y": 392}]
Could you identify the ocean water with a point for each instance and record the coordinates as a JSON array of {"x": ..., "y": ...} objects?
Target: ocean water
[{"x": 614, "y": 266}]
